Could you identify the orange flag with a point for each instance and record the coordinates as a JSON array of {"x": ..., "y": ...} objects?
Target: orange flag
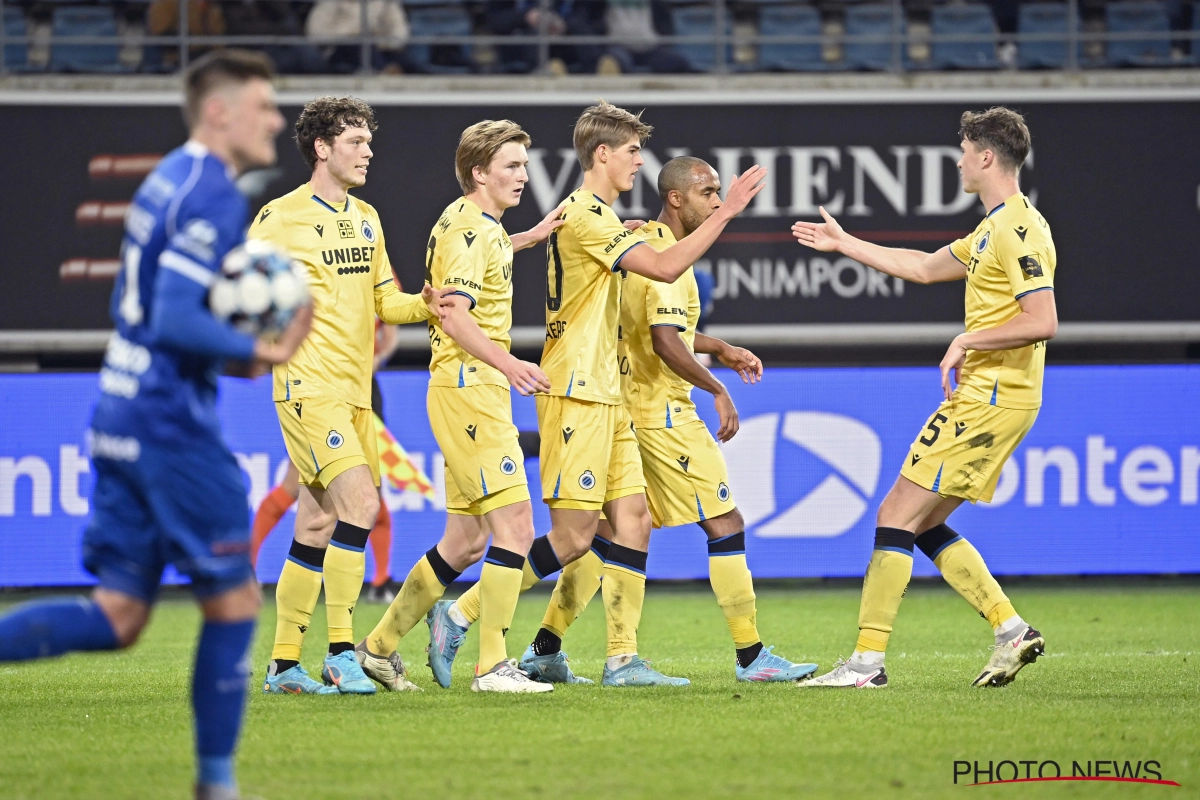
[{"x": 395, "y": 464}]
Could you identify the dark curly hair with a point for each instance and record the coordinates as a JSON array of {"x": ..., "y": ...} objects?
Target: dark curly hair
[{"x": 325, "y": 118}]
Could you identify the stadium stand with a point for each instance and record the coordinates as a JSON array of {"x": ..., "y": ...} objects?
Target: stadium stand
[
  {"x": 873, "y": 19},
  {"x": 16, "y": 56},
  {"x": 779, "y": 19},
  {"x": 1138, "y": 16},
  {"x": 84, "y": 21},
  {"x": 974, "y": 19}
]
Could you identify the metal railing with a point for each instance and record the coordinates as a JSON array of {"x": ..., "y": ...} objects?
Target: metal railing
[{"x": 725, "y": 41}]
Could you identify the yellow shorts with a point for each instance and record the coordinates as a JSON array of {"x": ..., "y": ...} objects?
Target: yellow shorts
[
  {"x": 474, "y": 429},
  {"x": 686, "y": 478},
  {"x": 324, "y": 438},
  {"x": 589, "y": 453},
  {"x": 964, "y": 446}
]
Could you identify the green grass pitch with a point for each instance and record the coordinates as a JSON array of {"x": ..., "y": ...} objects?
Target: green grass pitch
[{"x": 1120, "y": 682}]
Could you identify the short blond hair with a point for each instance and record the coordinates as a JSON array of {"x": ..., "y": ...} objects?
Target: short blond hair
[
  {"x": 606, "y": 124},
  {"x": 479, "y": 144}
]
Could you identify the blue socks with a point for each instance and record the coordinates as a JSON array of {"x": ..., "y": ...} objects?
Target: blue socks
[
  {"x": 218, "y": 696},
  {"x": 52, "y": 627}
]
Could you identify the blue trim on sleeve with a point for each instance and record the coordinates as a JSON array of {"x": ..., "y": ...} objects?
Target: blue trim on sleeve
[
  {"x": 956, "y": 258},
  {"x": 669, "y": 325},
  {"x": 617, "y": 264},
  {"x": 389, "y": 280},
  {"x": 1031, "y": 291},
  {"x": 464, "y": 294}
]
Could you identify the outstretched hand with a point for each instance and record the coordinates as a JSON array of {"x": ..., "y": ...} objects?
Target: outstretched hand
[
  {"x": 743, "y": 189},
  {"x": 824, "y": 236},
  {"x": 549, "y": 224}
]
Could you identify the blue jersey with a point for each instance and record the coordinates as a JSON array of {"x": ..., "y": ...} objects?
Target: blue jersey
[{"x": 159, "y": 380}]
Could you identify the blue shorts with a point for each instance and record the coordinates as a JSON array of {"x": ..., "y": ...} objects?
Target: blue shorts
[{"x": 155, "y": 504}]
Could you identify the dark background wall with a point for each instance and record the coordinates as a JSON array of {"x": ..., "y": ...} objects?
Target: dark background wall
[{"x": 1117, "y": 182}]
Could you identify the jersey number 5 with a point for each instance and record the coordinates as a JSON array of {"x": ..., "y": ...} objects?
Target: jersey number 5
[{"x": 935, "y": 430}]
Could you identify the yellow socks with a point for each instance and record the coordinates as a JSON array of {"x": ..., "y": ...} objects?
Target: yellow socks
[
  {"x": 964, "y": 569},
  {"x": 734, "y": 587},
  {"x": 295, "y": 598},
  {"x": 577, "y": 585},
  {"x": 425, "y": 584},
  {"x": 541, "y": 562},
  {"x": 345, "y": 566},
  {"x": 624, "y": 592},
  {"x": 883, "y": 588},
  {"x": 499, "y": 589}
]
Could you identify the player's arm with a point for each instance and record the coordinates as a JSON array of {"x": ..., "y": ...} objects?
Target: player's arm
[
  {"x": 669, "y": 346},
  {"x": 393, "y": 306},
  {"x": 915, "y": 266},
  {"x": 459, "y": 325},
  {"x": 538, "y": 233},
  {"x": 1036, "y": 322},
  {"x": 738, "y": 359},
  {"x": 667, "y": 265}
]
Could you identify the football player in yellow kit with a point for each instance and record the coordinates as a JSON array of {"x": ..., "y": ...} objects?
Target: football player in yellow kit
[
  {"x": 1008, "y": 264},
  {"x": 686, "y": 478},
  {"x": 589, "y": 458},
  {"x": 470, "y": 411},
  {"x": 323, "y": 394}
]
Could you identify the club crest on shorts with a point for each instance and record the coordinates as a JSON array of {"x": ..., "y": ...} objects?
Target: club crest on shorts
[
  {"x": 334, "y": 440},
  {"x": 508, "y": 466},
  {"x": 587, "y": 481},
  {"x": 368, "y": 232},
  {"x": 722, "y": 492}
]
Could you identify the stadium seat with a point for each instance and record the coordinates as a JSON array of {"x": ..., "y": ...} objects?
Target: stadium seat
[
  {"x": 16, "y": 56},
  {"x": 698, "y": 20},
  {"x": 971, "y": 18},
  {"x": 789, "y": 20},
  {"x": 84, "y": 21},
  {"x": 1144, "y": 16},
  {"x": 872, "y": 19},
  {"x": 1044, "y": 18},
  {"x": 426, "y": 18}
]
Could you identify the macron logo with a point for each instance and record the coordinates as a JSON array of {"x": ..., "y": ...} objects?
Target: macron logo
[{"x": 837, "y": 458}]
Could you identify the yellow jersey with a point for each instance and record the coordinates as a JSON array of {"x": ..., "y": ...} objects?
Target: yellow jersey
[
  {"x": 653, "y": 394},
  {"x": 470, "y": 251},
  {"x": 351, "y": 281},
  {"x": 1010, "y": 255},
  {"x": 583, "y": 300}
]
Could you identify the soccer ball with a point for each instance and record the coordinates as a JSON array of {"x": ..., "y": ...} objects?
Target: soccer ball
[{"x": 259, "y": 289}]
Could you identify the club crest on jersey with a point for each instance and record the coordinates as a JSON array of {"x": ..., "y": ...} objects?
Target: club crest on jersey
[
  {"x": 508, "y": 466},
  {"x": 983, "y": 243},
  {"x": 722, "y": 492},
  {"x": 587, "y": 481},
  {"x": 368, "y": 232},
  {"x": 334, "y": 440}
]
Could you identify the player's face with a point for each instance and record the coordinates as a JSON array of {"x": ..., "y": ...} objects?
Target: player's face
[
  {"x": 507, "y": 175},
  {"x": 623, "y": 164},
  {"x": 701, "y": 200},
  {"x": 348, "y": 157},
  {"x": 970, "y": 166},
  {"x": 252, "y": 123}
]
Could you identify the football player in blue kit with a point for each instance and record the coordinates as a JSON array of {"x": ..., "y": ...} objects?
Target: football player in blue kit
[{"x": 167, "y": 488}]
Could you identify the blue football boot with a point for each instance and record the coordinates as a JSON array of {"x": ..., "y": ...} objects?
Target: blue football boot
[
  {"x": 639, "y": 673},
  {"x": 445, "y": 637},
  {"x": 295, "y": 681},
  {"x": 550, "y": 668},
  {"x": 768, "y": 667},
  {"x": 344, "y": 672}
]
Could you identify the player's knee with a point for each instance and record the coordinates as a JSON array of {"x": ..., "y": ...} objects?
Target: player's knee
[{"x": 727, "y": 524}]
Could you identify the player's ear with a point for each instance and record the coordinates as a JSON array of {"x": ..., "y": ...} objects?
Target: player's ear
[
  {"x": 602, "y": 154},
  {"x": 322, "y": 149},
  {"x": 479, "y": 174}
]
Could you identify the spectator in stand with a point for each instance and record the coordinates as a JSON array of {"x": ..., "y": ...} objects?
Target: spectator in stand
[
  {"x": 162, "y": 19},
  {"x": 343, "y": 18},
  {"x": 638, "y": 25},
  {"x": 274, "y": 18},
  {"x": 524, "y": 18}
]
